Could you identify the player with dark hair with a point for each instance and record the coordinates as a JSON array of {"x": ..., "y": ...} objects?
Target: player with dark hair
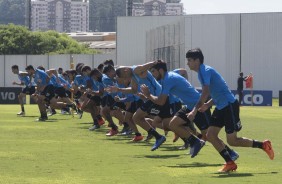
[
  {"x": 29, "y": 88},
  {"x": 45, "y": 92},
  {"x": 226, "y": 113},
  {"x": 140, "y": 75}
]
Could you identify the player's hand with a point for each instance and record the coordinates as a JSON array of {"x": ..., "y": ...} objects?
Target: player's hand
[
  {"x": 145, "y": 90},
  {"x": 112, "y": 89},
  {"x": 142, "y": 96},
  {"x": 117, "y": 99},
  {"x": 14, "y": 83},
  {"x": 191, "y": 116},
  {"x": 203, "y": 108},
  {"x": 88, "y": 91}
]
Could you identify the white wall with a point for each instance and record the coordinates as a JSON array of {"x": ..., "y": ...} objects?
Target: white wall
[
  {"x": 47, "y": 61},
  {"x": 262, "y": 50},
  {"x": 2, "y": 71},
  {"x": 131, "y": 37},
  {"x": 230, "y": 42},
  {"x": 11, "y": 60},
  {"x": 218, "y": 36}
]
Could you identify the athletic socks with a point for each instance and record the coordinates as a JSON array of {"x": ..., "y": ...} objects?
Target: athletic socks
[
  {"x": 192, "y": 139},
  {"x": 137, "y": 134},
  {"x": 225, "y": 155},
  {"x": 154, "y": 133},
  {"x": 257, "y": 144}
]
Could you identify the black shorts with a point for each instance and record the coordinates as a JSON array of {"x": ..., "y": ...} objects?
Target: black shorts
[
  {"x": 60, "y": 92},
  {"x": 48, "y": 92},
  {"x": 169, "y": 110},
  {"x": 151, "y": 108},
  {"x": 28, "y": 90},
  {"x": 134, "y": 106},
  {"x": 68, "y": 93},
  {"x": 202, "y": 119},
  {"x": 95, "y": 99},
  {"x": 228, "y": 117},
  {"x": 77, "y": 95},
  {"x": 107, "y": 100},
  {"x": 120, "y": 105}
]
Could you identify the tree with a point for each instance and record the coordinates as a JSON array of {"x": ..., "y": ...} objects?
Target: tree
[
  {"x": 19, "y": 40},
  {"x": 12, "y": 11}
]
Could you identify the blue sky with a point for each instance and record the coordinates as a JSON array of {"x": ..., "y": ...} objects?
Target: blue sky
[{"x": 231, "y": 6}]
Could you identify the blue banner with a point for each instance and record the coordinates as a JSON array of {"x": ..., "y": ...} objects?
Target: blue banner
[{"x": 260, "y": 98}]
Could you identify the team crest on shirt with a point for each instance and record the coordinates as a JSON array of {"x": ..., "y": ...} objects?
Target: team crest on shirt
[{"x": 154, "y": 111}]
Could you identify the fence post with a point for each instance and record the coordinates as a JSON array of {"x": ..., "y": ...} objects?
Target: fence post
[{"x": 280, "y": 98}]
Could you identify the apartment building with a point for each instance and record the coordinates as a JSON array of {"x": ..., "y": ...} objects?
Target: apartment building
[
  {"x": 60, "y": 15},
  {"x": 157, "y": 8}
]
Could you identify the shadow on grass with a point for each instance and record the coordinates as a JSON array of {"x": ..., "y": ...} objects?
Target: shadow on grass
[
  {"x": 194, "y": 164},
  {"x": 232, "y": 175},
  {"x": 171, "y": 148},
  {"x": 91, "y": 123},
  {"x": 157, "y": 156},
  {"x": 28, "y": 116},
  {"x": 46, "y": 121},
  {"x": 85, "y": 127},
  {"x": 115, "y": 138}
]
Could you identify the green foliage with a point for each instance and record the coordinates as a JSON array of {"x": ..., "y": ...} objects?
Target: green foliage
[
  {"x": 12, "y": 11},
  {"x": 19, "y": 40}
]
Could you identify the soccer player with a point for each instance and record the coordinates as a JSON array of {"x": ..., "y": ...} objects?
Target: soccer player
[
  {"x": 175, "y": 84},
  {"x": 107, "y": 102},
  {"x": 226, "y": 113},
  {"x": 45, "y": 92},
  {"x": 86, "y": 85},
  {"x": 29, "y": 88},
  {"x": 141, "y": 75}
]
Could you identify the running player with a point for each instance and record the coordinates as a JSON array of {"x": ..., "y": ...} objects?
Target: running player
[
  {"x": 29, "y": 88},
  {"x": 226, "y": 113}
]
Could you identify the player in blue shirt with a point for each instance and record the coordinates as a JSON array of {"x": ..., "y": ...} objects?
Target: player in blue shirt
[
  {"x": 89, "y": 103},
  {"x": 108, "y": 101},
  {"x": 29, "y": 88},
  {"x": 167, "y": 111},
  {"x": 140, "y": 75},
  {"x": 226, "y": 113},
  {"x": 45, "y": 92},
  {"x": 175, "y": 84}
]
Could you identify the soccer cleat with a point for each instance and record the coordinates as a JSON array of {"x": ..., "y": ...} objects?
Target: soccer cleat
[
  {"x": 229, "y": 166},
  {"x": 125, "y": 129},
  {"x": 21, "y": 113},
  {"x": 112, "y": 132},
  {"x": 137, "y": 138},
  {"x": 266, "y": 146},
  {"x": 196, "y": 147},
  {"x": 101, "y": 121},
  {"x": 158, "y": 143},
  {"x": 128, "y": 132},
  {"x": 42, "y": 118},
  {"x": 95, "y": 127},
  {"x": 185, "y": 146},
  {"x": 234, "y": 155},
  {"x": 176, "y": 137},
  {"x": 149, "y": 137},
  {"x": 53, "y": 112}
]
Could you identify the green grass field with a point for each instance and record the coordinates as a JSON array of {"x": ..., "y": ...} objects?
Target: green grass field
[{"x": 62, "y": 150}]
